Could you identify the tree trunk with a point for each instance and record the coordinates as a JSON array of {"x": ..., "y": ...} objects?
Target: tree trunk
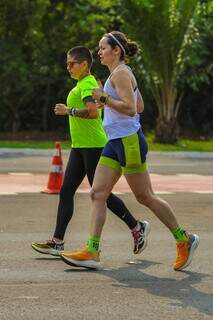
[
  {"x": 46, "y": 107},
  {"x": 15, "y": 122},
  {"x": 166, "y": 131}
]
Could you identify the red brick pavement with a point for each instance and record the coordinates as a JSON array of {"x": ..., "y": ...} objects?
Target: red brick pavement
[{"x": 33, "y": 183}]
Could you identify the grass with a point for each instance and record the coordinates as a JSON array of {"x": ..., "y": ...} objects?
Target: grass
[
  {"x": 32, "y": 144},
  {"x": 181, "y": 145}
]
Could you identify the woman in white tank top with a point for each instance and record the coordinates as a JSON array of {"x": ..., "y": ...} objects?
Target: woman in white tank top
[{"x": 125, "y": 153}]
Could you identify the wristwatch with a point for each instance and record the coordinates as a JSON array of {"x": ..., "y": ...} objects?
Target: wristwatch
[
  {"x": 72, "y": 112},
  {"x": 103, "y": 98}
]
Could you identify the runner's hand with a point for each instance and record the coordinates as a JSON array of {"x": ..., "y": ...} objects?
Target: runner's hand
[
  {"x": 97, "y": 93},
  {"x": 100, "y": 84},
  {"x": 99, "y": 105},
  {"x": 61, "y": 109}
]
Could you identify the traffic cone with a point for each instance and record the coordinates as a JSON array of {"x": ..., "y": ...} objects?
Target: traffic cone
[{"x": 56, "y": 175}]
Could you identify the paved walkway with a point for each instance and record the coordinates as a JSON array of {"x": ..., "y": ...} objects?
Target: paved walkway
[{"x": 40, "y": 287}]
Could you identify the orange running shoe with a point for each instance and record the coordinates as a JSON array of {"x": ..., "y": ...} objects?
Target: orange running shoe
[
  {"x": 82, "y": 258},
  {"x": 185, "y": 251}
]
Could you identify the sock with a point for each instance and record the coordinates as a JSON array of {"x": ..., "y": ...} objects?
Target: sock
[
  {"x": 57, "y": 241},
  {"x": 93, "y": 244},
  {"x": 179, "y": 234},
  {"x": 137, "y": 227}
]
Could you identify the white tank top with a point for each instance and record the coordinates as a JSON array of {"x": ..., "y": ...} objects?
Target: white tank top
[{"x": 116, "y": 124}]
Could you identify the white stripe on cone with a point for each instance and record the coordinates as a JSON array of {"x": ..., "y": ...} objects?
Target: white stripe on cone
[{"x": 56, "y": 168}]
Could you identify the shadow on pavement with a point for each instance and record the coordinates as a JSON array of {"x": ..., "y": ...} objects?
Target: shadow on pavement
[
  {"x": 181, "y": 291},
  {"x": 48, "y": 258}
]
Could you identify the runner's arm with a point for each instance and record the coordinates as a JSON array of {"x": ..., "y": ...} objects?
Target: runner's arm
[
  {"x": 90, "y": 112},
  {"x": 140, "y": 103},
  {"x": 123, "y": 86}
]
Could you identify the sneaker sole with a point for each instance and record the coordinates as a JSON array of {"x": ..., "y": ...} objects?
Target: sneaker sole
[
  {"x": 192, "y": 250},
  {"x": 90, "y": 264},
  {"x": 56, "y": 253},
  {"x": 40, "y": 250},
  {"x": 52, "y": 252},
  {"x": 147, "y": 230}
]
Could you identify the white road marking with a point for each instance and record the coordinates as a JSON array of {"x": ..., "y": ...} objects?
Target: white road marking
[
  {"x": 203, "y": 192},
  {"x": 20, "y": 173},
  {"x": 164, "y": 192},
  {"x": 8, "y": 193},
  {"x": 188, "y": 175}
]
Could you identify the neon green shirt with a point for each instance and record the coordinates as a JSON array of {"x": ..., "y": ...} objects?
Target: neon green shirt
[{"x": 85, "y": 133}]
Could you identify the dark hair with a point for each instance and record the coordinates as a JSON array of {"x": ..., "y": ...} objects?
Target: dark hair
[
  {"x": 131, "y": 47},
  {"x": 81, "y": 53}
]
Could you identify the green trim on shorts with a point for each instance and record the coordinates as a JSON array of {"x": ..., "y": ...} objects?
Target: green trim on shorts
[
  {"x": 141, "y": 168},
  {"x": 133, "y": 155},
  {"x": 132, "y": 151},
  {"x": 115, "y": 165},
  {"x": 111, "y": 163}
]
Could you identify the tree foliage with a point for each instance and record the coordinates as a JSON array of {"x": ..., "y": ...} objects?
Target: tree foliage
[
  {"x": 166, "y": 30},
  {"x": 196, "y": 80},
  {"x": 35, "y": 35}
]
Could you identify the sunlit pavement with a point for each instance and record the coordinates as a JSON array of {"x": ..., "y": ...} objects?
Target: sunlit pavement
[
  {"x": 23, "y": 182},
  {"x": 35, "y": 286}
]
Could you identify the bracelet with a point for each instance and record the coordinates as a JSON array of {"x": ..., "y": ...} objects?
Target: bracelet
[{"x": 72, "y": 112}]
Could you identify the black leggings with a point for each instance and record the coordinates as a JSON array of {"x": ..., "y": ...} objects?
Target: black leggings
[{"x": 82, "y": 162}]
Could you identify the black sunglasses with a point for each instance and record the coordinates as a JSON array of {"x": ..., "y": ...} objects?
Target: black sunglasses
[{"x": 71, "y": 63}]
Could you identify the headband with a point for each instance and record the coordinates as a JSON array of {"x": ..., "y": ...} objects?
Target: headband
[{"x": 118, "y": 42}]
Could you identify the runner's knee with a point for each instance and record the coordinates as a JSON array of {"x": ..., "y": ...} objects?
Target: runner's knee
[
  {"x": 98, "y": 195},
  {"x": 145, "y": 198}
]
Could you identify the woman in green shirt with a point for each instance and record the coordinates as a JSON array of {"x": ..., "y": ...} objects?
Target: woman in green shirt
[{"x": 88, "y": 139}]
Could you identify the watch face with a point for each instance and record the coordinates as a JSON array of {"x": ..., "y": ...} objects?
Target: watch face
[{"x": 103, "y": 99}]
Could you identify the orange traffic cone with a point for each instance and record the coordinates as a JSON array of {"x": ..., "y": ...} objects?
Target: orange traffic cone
[{"x": 56, "y": 175}]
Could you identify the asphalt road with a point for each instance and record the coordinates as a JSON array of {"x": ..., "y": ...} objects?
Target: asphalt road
[{"x": 34, "y": 286}]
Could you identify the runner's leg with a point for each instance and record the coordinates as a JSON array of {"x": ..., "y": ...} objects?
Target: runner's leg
[
  {"x": 115, "y": 204},
  {"x": 74, "y": 175}
]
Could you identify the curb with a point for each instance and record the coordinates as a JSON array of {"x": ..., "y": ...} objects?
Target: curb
[
  {"x": 29, "y": 152},
  {"x": 48, "y": 152},
  {"x": 184, "y": 154}
]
